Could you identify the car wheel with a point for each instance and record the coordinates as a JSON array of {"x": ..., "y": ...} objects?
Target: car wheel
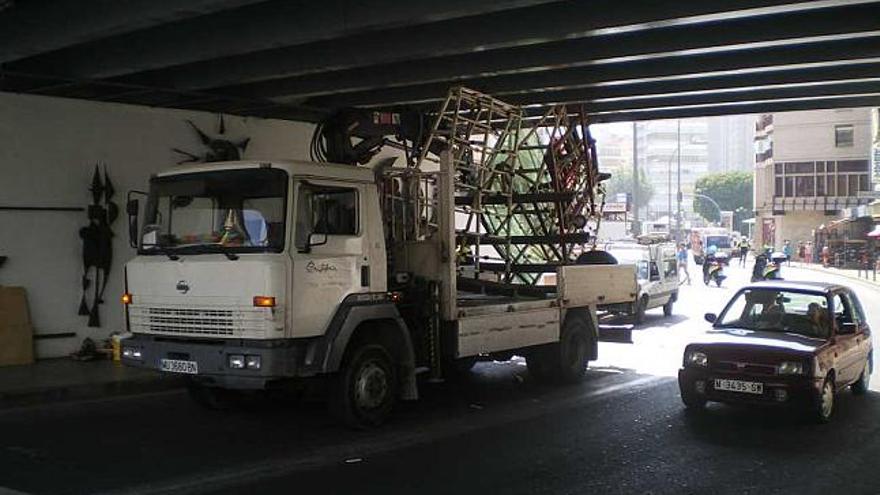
[
  {"x": 692, "y": 401},
  {"x": 667, "y": 308},
  {"x": 363, "y": 393},
  {"x": 824, "y": 407},
  {"x": 861, "y": 385}
]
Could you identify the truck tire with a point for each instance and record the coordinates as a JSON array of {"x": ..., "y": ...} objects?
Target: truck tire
[
  {"x": 363, "y": 392},
  {"x": 667, "y": 308},
  {"x": 567, "y": 360}
]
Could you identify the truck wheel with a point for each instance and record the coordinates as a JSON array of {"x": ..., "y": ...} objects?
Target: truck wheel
[
  {"x": 215, "y": 398},
  {"x": 574, "y": 350},
  {"x": 363, "y": 393},
  {"x": 565, "y": 361},
  {"x": 667, "y": 308}
]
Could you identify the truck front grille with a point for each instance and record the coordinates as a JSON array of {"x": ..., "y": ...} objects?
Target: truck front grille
[{"x": 196, "y": 321}]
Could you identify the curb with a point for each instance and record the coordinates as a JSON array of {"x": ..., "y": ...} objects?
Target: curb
[
  {"x": 51, "y": 395},
  {"x": 819, "y": 269}
]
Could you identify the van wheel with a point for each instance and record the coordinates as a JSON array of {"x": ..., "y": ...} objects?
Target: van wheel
[
  {"x": 364, "y": 390},
  {"x": 214, "y": 398},
  {"x": 641, "y": 307},
  {"x": 567, "y": 360},
  {"x": 667, "y": 308}
]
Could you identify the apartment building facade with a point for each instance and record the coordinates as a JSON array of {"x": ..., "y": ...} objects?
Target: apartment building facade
[{"x": 809, "y": 166}]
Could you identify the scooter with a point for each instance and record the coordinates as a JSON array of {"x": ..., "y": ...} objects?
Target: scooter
[{"x": 714, "y": 269}]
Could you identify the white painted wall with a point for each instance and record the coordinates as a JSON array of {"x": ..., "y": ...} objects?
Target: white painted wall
[
  {"x": 48, "y": 152},
  {"x": 809, "y": 135}
]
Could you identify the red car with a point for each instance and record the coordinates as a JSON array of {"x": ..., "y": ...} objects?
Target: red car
[{"x": 781, "y": 343}]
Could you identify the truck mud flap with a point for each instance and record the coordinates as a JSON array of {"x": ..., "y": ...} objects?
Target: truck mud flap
[{"x": 621, "y": 334}]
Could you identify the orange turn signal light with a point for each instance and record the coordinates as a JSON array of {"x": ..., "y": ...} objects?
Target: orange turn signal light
[
  {"x": 264, "y": 301},
  {"x": 126, "y": 298}
]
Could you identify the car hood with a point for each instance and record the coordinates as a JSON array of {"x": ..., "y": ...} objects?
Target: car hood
[{"x": 728, "y": 337}]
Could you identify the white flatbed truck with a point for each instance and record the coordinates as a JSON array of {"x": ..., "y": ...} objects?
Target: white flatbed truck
[{"x": 256, "y": 275}]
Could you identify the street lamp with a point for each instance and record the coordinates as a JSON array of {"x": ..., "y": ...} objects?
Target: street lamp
[{"x": 707, "y": 198}]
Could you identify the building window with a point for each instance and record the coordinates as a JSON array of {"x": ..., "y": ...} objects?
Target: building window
[
  {"x": 843, "y": 136},
  {"x": 805, "y": 187},
  {"x": 779, "y": 192},
  {"x": 864, "y": 183},
  {"x": 852, "y": 166}
]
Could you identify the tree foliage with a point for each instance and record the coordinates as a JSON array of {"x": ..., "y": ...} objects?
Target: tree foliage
[
  {"x": 732, "y": 191},
  {"x": 621, "y": 181}
]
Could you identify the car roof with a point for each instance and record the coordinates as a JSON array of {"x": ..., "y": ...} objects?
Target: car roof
[{"x": 808, "y": 286}]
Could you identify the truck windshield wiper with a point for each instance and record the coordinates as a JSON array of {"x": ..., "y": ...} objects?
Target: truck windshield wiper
[{"x": 165, "y": 251}]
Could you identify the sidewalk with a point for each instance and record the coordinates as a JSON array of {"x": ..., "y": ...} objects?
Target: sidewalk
[
  {"x": 843, "y": 272},
  {"x": 57, "y": 380}
]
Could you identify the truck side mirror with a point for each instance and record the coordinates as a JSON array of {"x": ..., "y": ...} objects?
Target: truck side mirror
[
  {"x": 314, "y": 239},
  {"x": 132, "y": 207}
]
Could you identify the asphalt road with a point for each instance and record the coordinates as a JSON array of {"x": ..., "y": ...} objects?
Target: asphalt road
[{"x": 623, "y": 430}]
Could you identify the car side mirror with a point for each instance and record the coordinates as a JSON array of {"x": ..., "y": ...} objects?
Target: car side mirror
[
  {"x": 710, "y": 317},
  {"x": 847, "y": 328}
]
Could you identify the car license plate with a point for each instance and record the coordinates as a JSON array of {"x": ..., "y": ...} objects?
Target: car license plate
[
  {"x": 178, "y": 366},
  {"x": 756, "y": 388}
]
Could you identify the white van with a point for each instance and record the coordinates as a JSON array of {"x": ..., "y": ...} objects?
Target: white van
[{"x": 657, "y": 273}]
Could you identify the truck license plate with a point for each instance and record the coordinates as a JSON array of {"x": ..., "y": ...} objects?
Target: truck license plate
[
  {"x": 756, "y": 388},
  {"x": 178, "y": 366}
]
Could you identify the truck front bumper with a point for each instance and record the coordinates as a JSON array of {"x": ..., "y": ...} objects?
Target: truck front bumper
[{"x": 280, "y": 359}]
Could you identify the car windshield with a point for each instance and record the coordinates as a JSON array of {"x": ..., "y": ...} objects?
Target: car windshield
[
  {"x": 229, "y": 210},
  {"x": 778, "y": 310}
]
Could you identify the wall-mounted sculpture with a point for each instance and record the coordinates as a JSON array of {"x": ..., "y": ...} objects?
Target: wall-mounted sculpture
[
  {"x": 97, "y": 238},
  {"x": 218, "y": 148}
]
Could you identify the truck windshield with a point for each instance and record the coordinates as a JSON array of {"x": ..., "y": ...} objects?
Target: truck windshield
[
  {"x": 719, "y": 241},
  {"x": 223, "y": 211}
]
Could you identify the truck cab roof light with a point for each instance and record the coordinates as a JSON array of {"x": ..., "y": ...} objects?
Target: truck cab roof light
[{"x": 126, "y": 298}]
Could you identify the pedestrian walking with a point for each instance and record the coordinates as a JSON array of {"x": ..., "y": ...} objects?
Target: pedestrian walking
[
  {"x": 743, "y": 251},
  {"x": 786, "y": 250},
  {"x": 683, "y": 263}
]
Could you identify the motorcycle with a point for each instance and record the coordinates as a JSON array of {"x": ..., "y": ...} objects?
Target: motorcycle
[
  {"x": 768, "y": 266},
  {"x": 713, "y": 268}
]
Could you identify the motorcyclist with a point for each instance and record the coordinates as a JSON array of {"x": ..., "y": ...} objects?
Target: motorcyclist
[
  {"x": 760, "y": 264},
  {"x": 710, "y": 257}
]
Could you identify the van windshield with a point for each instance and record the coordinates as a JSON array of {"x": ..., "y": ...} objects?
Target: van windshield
[
  {"x": 719, "y": 241},
  {"x": 223, "y": 211}
]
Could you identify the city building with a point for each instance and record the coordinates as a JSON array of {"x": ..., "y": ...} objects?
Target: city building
[
  {"x": 658, "y": 144},
  {"x": 731, "y": 143},
  {"x": 809, "y": 166}
]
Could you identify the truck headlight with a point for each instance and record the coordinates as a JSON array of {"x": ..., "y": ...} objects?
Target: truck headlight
[
  {"x": 790, "y": 368},
  {"x": 696, "y": 358},
  {"x": 253, "y": 362},
  {"x": 236, "y": 361},
  {"x": 132, "y": 353}
]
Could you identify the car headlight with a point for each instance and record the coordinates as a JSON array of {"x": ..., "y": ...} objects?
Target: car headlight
[
  {"x": 790, "y": 368},
  {"x": 696, "y": 358},
  {"x": 236, "y": 361}
]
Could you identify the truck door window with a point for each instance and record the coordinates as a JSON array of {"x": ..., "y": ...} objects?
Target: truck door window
[
  {"x": 671, "y": 268},
  {"x": 842, "y": 313},
  {"x": 325, "y": 210},
  {"x": 655, "y": 272}
]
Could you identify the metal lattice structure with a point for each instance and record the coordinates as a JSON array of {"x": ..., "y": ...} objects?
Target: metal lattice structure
[{"x": 522, "y": 195}]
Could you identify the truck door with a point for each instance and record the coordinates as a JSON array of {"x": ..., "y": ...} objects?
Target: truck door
[{"x": 329, "y": 251}]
